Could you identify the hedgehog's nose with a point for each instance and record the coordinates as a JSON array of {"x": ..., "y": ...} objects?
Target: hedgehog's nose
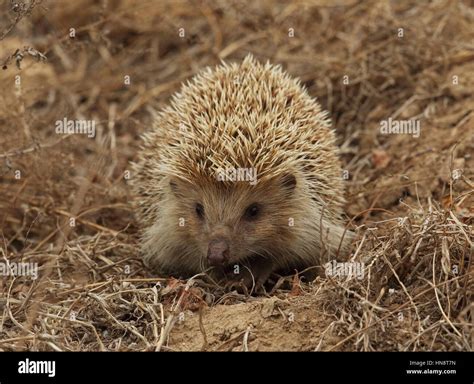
[{"x": 218, "y": 252}]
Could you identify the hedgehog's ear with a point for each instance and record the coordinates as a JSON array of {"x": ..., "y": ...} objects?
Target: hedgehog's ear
[
  {"x": 288, "y": 182},
  {"x": 176, "y": 186}
]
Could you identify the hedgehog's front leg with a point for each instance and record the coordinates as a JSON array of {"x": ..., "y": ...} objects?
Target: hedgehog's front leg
[{"x": 251, "y": 274}]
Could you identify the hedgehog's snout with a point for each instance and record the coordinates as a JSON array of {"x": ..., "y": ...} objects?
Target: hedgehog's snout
[{"x": 218, "y": 252}]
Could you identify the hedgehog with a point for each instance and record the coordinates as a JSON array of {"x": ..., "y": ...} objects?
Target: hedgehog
[{"x": 240, "y": 175}]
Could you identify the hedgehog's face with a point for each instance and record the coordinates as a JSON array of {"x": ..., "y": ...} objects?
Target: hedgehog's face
[{"x": 230, "y": 223}]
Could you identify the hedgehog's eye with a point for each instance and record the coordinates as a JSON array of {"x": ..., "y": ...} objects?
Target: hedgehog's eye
[
  {"x": 199, "y": 210},
  {"x": 252, "y": 211}
]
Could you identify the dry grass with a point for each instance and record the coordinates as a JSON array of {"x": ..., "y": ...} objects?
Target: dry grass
[{"x": 93, "y": 292}]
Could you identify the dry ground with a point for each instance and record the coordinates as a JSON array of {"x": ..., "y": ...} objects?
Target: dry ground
[{"x": 410, "y": 199}]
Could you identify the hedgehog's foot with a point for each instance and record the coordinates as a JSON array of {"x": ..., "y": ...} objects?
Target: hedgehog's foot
[{"x": 250, "y": 276}]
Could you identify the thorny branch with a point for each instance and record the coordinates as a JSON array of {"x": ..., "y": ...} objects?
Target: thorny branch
[
  {"x": 19, "y": 55},
  {"x": 22, "y": 10}
]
